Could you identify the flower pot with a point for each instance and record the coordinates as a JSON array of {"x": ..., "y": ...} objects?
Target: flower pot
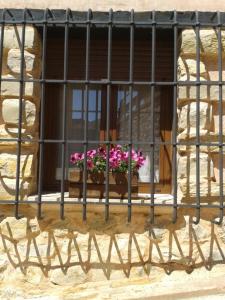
[{"x": 96, "y": 184}]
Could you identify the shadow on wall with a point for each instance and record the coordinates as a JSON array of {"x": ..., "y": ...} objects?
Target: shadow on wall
[
  {"x": 72, "y": 252},
  {"x": 201, "y": 106}
]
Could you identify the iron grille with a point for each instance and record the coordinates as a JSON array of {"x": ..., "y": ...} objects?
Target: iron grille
[{"x": 176, "y": 21}]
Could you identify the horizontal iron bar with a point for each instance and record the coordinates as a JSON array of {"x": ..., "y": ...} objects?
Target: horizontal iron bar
[
  {"x": 115, "y": 24},
  {"x": 49, "y": 141},
  {"x": 119, "y": 82},
  {"x": 162, "y": 18}
]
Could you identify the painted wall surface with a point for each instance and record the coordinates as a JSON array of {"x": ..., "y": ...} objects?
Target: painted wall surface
[{"x": 138, "y": 5}]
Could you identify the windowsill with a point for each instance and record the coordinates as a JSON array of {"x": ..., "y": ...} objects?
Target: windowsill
[{"x": 140, "y": 205}]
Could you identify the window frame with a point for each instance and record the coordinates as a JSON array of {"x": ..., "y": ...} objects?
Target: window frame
[{"x": 164, "y": 185}]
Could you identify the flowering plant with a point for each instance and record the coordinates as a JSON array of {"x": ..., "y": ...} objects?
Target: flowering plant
[{"x": 118, "y": 159}]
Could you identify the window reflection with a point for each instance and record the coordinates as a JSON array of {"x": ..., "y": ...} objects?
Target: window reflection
[
  {"x": 141, "y": 123},
  {"x": 121, "y": 99}
]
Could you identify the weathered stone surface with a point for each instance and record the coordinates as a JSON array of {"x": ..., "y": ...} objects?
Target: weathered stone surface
[
  {"x": 7, "y": 132},
  {"x": 216, "y": 120},
  {"x": 183, "y": 149},
  {"x": 213, "y": 74},
  {"x": 10, "y": 112},
  {"x": 187, "y": 116},
  {"x": 31, "y": 62},
  {"x": 42, "y": 252},
  {"x": 8, "y": 164},
  {"x": 209, "y": 190},
  {"x": 13, "y": 38},
  {"x": 188, "y": 92},
  {"x": 190, "y": 134},
  {"x": 18, "y": 227},
  {"x": 188, "y": 67},
  {"x": 74, "y": 276},
  {"x": 12, "y": 89},
  {"x": 206, "y": 93},
  {"x": 208, "y": 42},
  {"x": 8, "y": 188},
  {"x": 216, "y": 164},
  {"x": 187, "y": 166}
]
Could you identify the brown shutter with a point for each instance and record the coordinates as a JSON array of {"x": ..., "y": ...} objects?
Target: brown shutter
[{"x": 120, "y": 56}]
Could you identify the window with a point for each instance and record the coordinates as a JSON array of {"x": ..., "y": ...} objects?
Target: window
[
  {"x": 131, "y": 69},
  {"x": 139, "y": 98}
]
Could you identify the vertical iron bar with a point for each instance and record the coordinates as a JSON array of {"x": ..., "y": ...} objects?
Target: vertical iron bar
[
  {"x": 82, "y": 103},
  {"x": 2, "y": 45},
  {"x": 220, "y": 108},
  {"x": 86, "y": 115},
  {"x": 130, "y": 112},
  {"x": 42, "y": 106},
  {"x": 197, "y": 30},
  {"x": 21, "y": 93},
  {"x": 174, "y": 126},
  {"x": 109, "y": 55},
  {"x": 64, "y": 135},
  {"x": 152, "y": 131},
  {"x": 96, "y": 108}
]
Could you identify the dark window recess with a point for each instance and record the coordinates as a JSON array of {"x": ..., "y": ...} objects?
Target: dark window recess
[
  {"x": 120, "y": 98},
  {"x": 104, "y": 74}
]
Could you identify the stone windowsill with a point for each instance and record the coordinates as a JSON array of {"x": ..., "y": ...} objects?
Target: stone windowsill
[{"x": 94, "y": 203}]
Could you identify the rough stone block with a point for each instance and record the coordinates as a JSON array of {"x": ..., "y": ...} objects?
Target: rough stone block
[
  {"x": 208, "y": 42},
  {"x": 216, "y": 164},
  {"x": 31, "y": 62},
  {"x": 184, "y": 150},
  {"x": 188, "y": 67},
  {"x": 187, "y": 166},
  {"x": 212, "y": 67},
  {"x": 190, "y": 134},
  {"x": 13, "y": 38},
  {"x": 12, "y": 88},
  {"x": 8, "y": 165},
  {"x": 187, "y": 116},
  {"x": 189, "y": 92},
  {"x": 11, "y": 132},
  {"x": 10, "y": 112},
  {"x": 8, "y": 188},
  {"x": 216, "y": 118},
  {"x": 208, "y": 189}
]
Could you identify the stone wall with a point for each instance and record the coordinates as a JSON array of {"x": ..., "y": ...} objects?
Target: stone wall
[
  {"x": 72, "y": 259},
  {"x": 208, "y": 118},
  {"x": 9, "y": 111}
]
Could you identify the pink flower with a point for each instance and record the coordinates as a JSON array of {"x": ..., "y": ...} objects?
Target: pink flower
[
  {"x": 75, "y": 157},
  {"x": 90, "y": 164},
  {"x": 91, "y": 153},
  {"x": 113, "y": 162},
  {"x": 134, "y": 155},
  {"x": 101, "y": 151},
  {"x": 125, "y": 155},
  {"x": 118, "y": 159}
]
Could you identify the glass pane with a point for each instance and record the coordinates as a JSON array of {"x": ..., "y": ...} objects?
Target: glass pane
[
  {"x": 76, "y": 120},
  {"x": 141, "y": 124}
]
